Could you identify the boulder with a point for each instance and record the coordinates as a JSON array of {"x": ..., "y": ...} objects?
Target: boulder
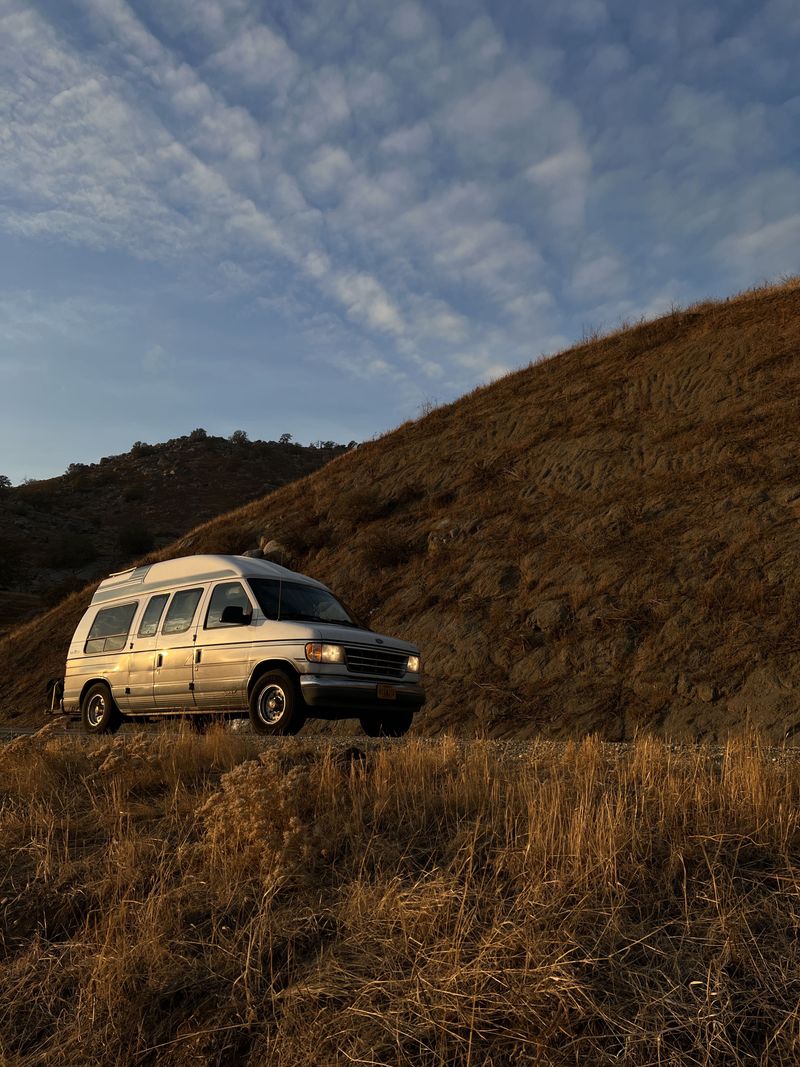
[
  {"x": 550, "y": 615},
  {"x": 275, "y": 551}
]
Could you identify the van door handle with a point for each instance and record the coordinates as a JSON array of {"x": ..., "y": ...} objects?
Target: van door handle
[
  {"x": 197, "y": 655},
  {"x": 159, "y": 659}
]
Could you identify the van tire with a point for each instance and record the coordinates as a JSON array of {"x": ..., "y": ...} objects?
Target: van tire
[
  {"x": 99, "y": 713},
  {"x": 275, "y": 705},
  {"x": 387, "y": 723}
]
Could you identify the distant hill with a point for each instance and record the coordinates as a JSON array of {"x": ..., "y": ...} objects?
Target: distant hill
[
  {"x": 608, "y": 540},
  {"x": 59, "y": 533}
]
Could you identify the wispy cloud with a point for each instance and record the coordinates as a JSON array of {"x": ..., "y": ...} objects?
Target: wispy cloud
[{"x": 414, "y": 189}]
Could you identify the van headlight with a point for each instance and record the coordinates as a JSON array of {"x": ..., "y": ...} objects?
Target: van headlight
[
  {"x": 317, "y": 652},
  {"x": 414, "y": 665}
]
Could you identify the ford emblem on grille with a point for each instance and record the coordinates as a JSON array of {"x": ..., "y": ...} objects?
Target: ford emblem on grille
[{"x": 378, "y": 640}]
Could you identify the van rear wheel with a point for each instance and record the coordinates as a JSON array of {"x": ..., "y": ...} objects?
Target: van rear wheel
[
  {"x": 99, "y": 713},
  {"x": 275, "y": 705}
]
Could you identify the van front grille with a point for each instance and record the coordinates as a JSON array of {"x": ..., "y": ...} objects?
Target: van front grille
[{"x": 379, "y": 661}]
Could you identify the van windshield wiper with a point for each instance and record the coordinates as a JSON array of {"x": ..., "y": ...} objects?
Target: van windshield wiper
[{"x": 299, "y": 616}]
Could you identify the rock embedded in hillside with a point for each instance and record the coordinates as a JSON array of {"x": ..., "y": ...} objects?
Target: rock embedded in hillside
[
  {"x": 444, "y": 532},
  {"x": 550, "y": 615},
  {"x": 274, "y": 550},
  {"x": 707, "y": 692}
]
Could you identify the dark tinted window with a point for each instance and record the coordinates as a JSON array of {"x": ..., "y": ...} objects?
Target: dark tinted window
[
  {"x": 109, "y": 630},
  {"x": 229, "y": 594},
  {"x": 296, "y": 600},
  {"x": 268, "y": 595},
  {"x": 181, "y": 611},
  {"x": 152, "y": 613}
]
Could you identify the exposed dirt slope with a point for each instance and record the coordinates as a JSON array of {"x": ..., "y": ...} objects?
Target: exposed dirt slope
[
  {"x": 58, "y": 533},
  {"x": 608, "y": 540}
]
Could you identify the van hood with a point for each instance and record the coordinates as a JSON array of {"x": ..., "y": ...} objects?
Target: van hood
[{"x": 349, "y": 635}]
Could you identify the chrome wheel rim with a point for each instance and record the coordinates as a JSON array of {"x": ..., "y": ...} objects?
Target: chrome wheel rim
[
  {"x": 271, "y": 704},
  {"x": 95, "y": 710}
]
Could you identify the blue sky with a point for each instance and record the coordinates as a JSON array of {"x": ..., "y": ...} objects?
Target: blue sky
[{"x": 316, "y": 217}]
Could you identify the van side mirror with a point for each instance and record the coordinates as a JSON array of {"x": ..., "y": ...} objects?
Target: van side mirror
[{"x": 233, "y": 615}]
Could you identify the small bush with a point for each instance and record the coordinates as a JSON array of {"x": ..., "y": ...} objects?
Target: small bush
[
  {"x": 141, "y": 448},
  {"x": 385, "y": 549},
  {"x": 72, "y": 550},
  {"x": 11, "y": 552},
  {"x": 135, "y": 538},
  {"x": 132, "y": 492},
  {"x": 239, "y": 437},
  {"x": 360, "y": 505}
]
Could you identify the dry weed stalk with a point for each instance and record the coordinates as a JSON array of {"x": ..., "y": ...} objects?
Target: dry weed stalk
[{"x": 182, "y": 900}]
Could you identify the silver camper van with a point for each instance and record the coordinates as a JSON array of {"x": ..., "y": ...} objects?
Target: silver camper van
[{"x": 210, "y": 636}]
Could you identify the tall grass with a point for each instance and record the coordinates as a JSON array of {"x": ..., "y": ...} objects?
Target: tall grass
[{"x": 184, "y": 900}]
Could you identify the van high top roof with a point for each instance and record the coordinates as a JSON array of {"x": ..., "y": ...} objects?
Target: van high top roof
[{"x": 189, "y": 569}]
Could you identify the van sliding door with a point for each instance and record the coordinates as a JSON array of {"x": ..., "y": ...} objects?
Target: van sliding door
[
  {"x": 222, "y": 655},
  {"x": 174, "y": 653}
]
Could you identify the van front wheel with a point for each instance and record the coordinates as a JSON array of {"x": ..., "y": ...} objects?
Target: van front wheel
[
  {"x": 99, "y": 713},
  {"x": 274, "y": 705}
]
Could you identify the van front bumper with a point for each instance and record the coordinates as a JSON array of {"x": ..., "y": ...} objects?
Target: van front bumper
[{"x": 334, "y": 693}]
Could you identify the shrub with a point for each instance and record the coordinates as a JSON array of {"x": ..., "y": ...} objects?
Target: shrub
[
  {"x": 11, "y": 552},
  {"x": 239, "y": 437},
  {"x": 199, "y": 434},
  {"x": 385, "y": 548},
  {"x": 141, "y": 448},
  {"x": 72, "y": 550},
  {"x": 5, "y": 483},
  {"x": 132, "y": 492},
  {"x": 135, "y": 537}
]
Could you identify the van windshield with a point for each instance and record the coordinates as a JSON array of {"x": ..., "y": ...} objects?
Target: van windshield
[{"x": 296, "y": 600}]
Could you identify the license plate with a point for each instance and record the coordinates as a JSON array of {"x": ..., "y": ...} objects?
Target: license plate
[{"x": 387, "y": 692}]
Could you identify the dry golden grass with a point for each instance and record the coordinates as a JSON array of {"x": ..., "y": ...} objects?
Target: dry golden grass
[
  {"x": 602, "y": 542},
  {"x": 195, "y": 901}
]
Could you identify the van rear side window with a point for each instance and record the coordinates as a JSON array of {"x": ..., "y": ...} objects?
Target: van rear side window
[
  {"x": 152, "y": 613},
  {"x": 181, "y": 611},
  {"x": 109, "y": 631}
]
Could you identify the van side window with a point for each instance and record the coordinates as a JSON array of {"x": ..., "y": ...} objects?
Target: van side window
[
  {"x": 109, "y": 631},
  {"x": 181, "y": 611},
  {"x": 268, "y": 595},
  {"x": 152, "y": 613},
  {"x": 229, "y": 594}
]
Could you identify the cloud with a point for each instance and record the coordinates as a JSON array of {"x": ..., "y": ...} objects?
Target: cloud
[
  {"x": 599, "y": 278},
  {"x": 329, "y": 168},
  {"x": 564, "y": 178},
  {"x": 367, "y": 301},
  {"x": 155, "y": 359},
  {"x": 408, "y": 21},
  {"x": 257, "y": 57},
  {"x": 764, "y": 252},
  {"x": 425, "y": 186},
  {"x": 408, "y": 140}
]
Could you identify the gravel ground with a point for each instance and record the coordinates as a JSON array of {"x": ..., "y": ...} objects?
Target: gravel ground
[{"x": 509, "y": 748}]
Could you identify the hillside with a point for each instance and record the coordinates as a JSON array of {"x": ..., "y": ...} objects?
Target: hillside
[
  {"x": 57, "y": 534},
  {"x": 604, "y": 541}
]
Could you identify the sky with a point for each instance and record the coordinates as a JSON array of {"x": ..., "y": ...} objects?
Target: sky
[{"x": 321, "y": 218}]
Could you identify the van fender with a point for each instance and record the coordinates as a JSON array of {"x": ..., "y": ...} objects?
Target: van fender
[
  {"x": 94, "y": 681},
  {"x": 265, "y": 665}
]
